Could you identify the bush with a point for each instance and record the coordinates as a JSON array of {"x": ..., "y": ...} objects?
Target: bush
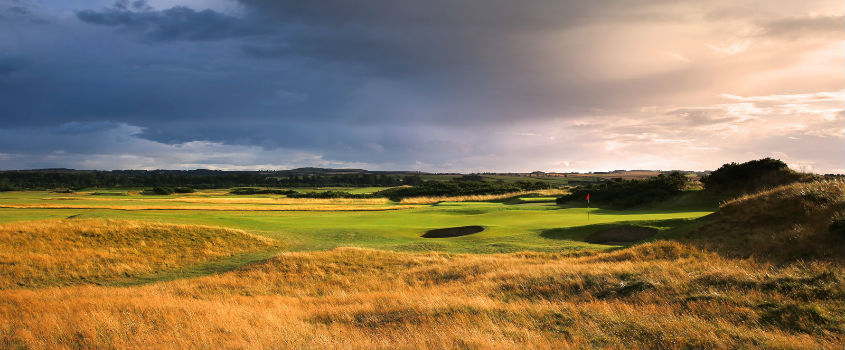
[
  {"x": 461, "y": 187},
  {"x": 163, "y": 191},
  {"x": 472, "y": 177},
  {"x": 332, "y": 194},
  {"x": 630, "y": 193},
  {"x": 183, "y": 190},
  {"x": 255, "y": 190},
  {"x": 6, "y": 185},
  {"x": 751, "y": 176}
]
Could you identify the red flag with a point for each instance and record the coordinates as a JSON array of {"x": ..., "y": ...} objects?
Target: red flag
[{"x": 588, "y": 197}]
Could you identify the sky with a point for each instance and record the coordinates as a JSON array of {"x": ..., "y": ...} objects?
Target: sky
[{"x": 435, "y": 85}]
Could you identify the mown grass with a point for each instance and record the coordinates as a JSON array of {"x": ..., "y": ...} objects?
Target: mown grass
[
  {"x": 479, "y": 197},
  {"x": 291, "y": 207},
  {"x": 73, "y": 251},
  {"x": 658, "y": 295},
  {"x": 278, "y": 200},
  {"x": 510, "y": 225}
]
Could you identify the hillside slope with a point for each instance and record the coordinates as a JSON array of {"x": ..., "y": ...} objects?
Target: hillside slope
[
  {"x": 659, "y": 295},
  {"x": 786, "y": 223},
  {"x": 74, "y": 251}
]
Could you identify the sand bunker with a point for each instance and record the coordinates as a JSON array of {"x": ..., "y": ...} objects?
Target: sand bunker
[
  {"x": 622, "y": 235},
  {"x": 453, "y": 231}
]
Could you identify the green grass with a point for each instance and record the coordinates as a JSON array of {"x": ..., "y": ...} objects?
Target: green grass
[
  {"x": 552, "y": 180},
  {"x": 509, "y": 226},
  {"x": 353, "y": 190}
]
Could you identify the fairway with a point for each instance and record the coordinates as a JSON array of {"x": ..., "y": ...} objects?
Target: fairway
[
  {"x": 533, "y": 224},
  {"x": 117, "y": 269}
]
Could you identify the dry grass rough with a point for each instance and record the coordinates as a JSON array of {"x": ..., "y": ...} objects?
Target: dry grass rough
[
  {"x": 786, "y": 223},
  {"x": 73, "y": 251},
  {"x": 655, "y": 296}
]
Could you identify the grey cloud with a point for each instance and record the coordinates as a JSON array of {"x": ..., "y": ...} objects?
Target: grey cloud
[
  {"x": 9, "y": 65},
  {"x": 15, "y": 8},
  {"x": 801, "y": 27},
  {"x": 703, "y": 116},
  {"x": 441, "y": 38},
  {"x": 176, "y": 23}
]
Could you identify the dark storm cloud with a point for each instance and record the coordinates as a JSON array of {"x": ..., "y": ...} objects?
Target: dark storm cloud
[
  {"x": 9, "y": 65},
  {"x": 176, "y": 23},
  {"x": 444, "y": 84},
  {"x": 476, "y": 39}
]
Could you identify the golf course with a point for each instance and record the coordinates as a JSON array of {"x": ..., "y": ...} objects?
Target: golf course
[
  {"x": 515, "y": 224},
  {"x": 128, "y": 268}
]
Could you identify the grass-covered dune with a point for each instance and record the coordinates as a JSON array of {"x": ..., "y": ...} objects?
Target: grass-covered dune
[
  {"x": 785, "y": 223},
  {"x": 73, "y": 251},
  {"x": 662, "y": 295}
]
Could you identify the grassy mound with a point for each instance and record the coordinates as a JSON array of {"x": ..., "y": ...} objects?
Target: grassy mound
[
  {"x": 660, "y": 295},
  {"x": 71, "y": 251},
  {"x": 790, "y": 222}
]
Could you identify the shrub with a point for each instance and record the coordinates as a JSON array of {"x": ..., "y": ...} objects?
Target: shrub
[
  {"x": 461, "y": 188},
  {"x": 255, "y": 190},
  {"x": 332, "y": 194},
  {"x": 472, "y": 177},
  {"x": 163, "y": 191},
  {"x": 183, "y": 190},
  {"x": 6, "y": 185},
  {"x": 751, "y": 176},
  {"x": 629, "y": 193}
]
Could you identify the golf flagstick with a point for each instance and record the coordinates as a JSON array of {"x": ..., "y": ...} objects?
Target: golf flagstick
[{"x": 588, "y": 207}]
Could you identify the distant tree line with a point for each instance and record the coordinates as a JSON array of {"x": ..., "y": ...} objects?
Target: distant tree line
[
  {"x": 468, "y": 185},
  {"x": 51, "y": 179},
  {"x": 728, "y": 180},
  {"x": 629, "y": 193},
  {"x": 160, "y": 190},
  {"x": 306, "y": 194},
  {"x": 333, "y": 194},
  {"x": 465, "y": 185}
]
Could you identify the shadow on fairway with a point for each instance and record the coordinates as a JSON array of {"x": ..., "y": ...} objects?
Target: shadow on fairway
[
  {"x": 665, "y": 229},
  {"x": 452, "y": 232}
]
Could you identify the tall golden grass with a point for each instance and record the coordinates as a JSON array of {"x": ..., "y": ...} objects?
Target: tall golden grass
[
  {"x": 479, "y": 197},
  {"x": 57, "y": 252},
  {"x": 789, "y": 222},
  {"x": 655, "y": 296},
  {"x": 814, "y": 193}
]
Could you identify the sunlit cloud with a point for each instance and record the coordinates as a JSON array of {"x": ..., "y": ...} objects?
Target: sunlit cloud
[{"x": 501, "y": 86}]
